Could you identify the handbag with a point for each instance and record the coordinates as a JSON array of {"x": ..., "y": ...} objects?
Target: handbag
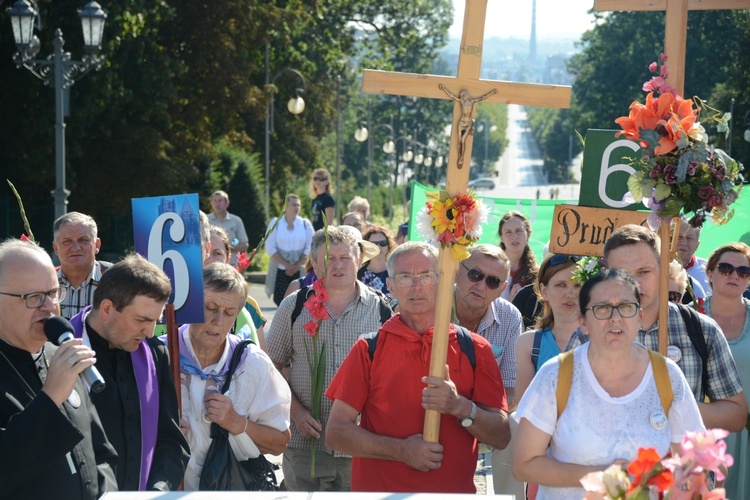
[{"x": 221, "y": 469}]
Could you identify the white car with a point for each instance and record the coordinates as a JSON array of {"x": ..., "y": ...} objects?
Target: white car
[{"x": 482, "y": 183}]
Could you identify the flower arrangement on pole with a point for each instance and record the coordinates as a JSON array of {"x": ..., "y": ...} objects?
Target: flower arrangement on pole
[
  {"x": 453, "y": 221},
  {"x": 678, "y": 172},
  {"x": 316, "y": 354},
  {"x": 679, "y": 477}
]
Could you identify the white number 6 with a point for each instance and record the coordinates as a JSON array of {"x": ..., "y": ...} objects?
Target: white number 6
[{"x": 155, "y": 255}]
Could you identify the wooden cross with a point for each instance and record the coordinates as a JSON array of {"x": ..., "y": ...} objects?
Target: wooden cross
[
  {"x": 675, "y": 39},
  {"x": 675, "y": 44},
  {"x": 466, "y": 89}
]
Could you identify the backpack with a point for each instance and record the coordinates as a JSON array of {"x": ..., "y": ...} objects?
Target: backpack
[
  {"x": 658, "y": 365},
  {"x": 385, "y": 309},
  {"x": 695, "y": 332},
  {"x": 464, "y": 341},
  {"x": 538, "y": 334}
]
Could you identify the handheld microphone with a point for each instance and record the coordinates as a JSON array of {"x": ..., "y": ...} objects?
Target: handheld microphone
[{"x": 59, "y": 330}]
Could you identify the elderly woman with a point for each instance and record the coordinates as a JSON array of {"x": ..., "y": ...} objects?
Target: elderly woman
[
  {"x": 728, "y": 271},
  {"x": 613, "y": 381},
  {"x": 678, "y": 279},
  {"x": 374, "y": 273},
  {"x": 255, "y": 410},
  {"x": 287, "y": 246}
]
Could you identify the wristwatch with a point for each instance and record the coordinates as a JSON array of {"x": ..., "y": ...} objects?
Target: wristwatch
[{"x": 468, "y": 421}]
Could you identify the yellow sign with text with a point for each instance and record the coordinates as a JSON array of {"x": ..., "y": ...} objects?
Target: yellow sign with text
[{"x": 580, "y": 230}]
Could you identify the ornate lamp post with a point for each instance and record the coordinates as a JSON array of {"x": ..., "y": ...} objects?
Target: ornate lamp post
[
  {"x": 295, "y": 106},
  {"x": 362, "y": 134},
  {"x": 484, "y": 126},
  {"x": 57, "y": 70}
]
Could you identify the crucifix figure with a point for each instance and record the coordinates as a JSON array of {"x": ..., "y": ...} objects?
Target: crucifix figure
[
  {"x": 466, "y": 122},
  {"x": 432, "y": 86}
]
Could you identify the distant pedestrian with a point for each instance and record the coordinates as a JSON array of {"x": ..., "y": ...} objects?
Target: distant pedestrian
[
  {"x": 557, "y": 193},
  {"x": 323, "y": 202},
  {"x": 538, "y": 193},
  {"x": 231, "y": 223},
  {"x": 551, "y": 193}
]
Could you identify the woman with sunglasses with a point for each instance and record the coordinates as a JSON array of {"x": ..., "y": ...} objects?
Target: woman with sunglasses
[
  {"x": 323, "y": 203},
  {"x": 373, "y": 273},
  {"x": 613, "y": 407},
  {"x": 728, "y": 271},
  {"x": 514, "y": 230}
]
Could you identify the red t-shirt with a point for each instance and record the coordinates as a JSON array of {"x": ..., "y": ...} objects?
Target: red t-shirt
[{"x": 387, "y": 392}]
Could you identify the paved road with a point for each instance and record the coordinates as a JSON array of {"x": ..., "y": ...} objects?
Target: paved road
[{"x": 520, "y": 168}]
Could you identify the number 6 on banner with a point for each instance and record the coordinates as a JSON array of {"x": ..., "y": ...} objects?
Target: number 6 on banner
[{"x": 155, "y": 254}]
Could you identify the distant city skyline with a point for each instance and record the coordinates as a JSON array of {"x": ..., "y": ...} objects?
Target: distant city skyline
[{"x": 512, "y": 18}]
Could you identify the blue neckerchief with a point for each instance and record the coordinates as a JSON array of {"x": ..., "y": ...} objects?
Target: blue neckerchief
[{"x": 189, "y": 366}]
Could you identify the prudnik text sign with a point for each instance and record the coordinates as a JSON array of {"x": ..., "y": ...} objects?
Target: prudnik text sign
[{"x": 578, "y": 230}]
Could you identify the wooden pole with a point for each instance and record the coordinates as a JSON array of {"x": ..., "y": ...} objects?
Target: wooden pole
[
  {"x": 664, "y": 288},
  {"x": 173, "y": 345}
]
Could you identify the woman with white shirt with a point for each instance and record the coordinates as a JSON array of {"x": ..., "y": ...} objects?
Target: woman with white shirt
[
  {"x": 613, "y": 406},
  {"x": 287, "y": 246},
  {"x": 255, "y": 409}
]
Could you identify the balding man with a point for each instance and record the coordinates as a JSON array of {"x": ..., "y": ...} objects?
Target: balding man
[
  {"x": 52, "y": 444},
  {"x": 77, "y": 244}
]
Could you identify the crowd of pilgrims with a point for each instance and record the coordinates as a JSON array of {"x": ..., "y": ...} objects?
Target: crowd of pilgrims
[{"x": 528, "y": 312}]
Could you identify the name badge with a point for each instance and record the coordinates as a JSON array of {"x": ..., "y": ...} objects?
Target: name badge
[
  {"x": 74, "y": 399},
  {"x": 658, "y": 420},
  {"x": 674, "y": 353}
]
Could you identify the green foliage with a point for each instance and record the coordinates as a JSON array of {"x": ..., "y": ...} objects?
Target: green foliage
[{"x": 493, "y": 115}]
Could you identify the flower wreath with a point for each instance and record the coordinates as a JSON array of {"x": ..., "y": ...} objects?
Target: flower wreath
[{"x": 454, "y": 221}]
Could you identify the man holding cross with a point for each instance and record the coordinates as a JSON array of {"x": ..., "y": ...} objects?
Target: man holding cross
[
  {"x": 389, "y": 388},
  {"x": 636, "y": 249}
]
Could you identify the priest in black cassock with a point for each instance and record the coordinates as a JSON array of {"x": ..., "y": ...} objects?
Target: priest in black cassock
[
  {"x": 52, "y": 444},
  {"x": 139, "y": 405}
]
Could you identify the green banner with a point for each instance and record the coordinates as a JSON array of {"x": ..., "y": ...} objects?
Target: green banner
[{"x": 540, "y": 213}]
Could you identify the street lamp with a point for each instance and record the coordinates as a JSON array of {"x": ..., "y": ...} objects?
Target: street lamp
[
  {"x": 57, "y": 70},
  {"x": 362, "y": 134},
  {"x": 295, "y": 106}
]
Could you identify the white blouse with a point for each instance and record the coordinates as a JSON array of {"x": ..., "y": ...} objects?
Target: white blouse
[
  {"x": 295, "y": 239},
  {"x": 258, "y": 391}
]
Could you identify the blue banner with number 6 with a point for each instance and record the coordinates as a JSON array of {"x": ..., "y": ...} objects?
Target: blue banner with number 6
[{"x": 167, "y": 232}]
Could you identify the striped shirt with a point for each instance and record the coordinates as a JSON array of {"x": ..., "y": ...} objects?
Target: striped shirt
[
  {"x": 78, "y": 298},
  {"x": 287, "y": 343}
]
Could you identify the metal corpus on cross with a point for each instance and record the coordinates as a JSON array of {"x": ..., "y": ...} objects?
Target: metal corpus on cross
[
  {"x": 675, "y": 45},
  {"x": 466, "y": 89}
]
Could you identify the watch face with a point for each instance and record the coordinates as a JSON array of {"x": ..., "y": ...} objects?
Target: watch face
[{"x": 466, "y": 422}]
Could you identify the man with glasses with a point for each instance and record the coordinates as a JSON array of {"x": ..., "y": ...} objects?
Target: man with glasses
[
  {"x": 636, "y": 249},
  {"x": 479, "y": 282},
  {"x": 387, "y": 390},
  {"x": 139, "y": 406},
  {"x": 76, "y": 245},
  {"x": 52, "y": 443},
  {"x": 354, "y": 309}
]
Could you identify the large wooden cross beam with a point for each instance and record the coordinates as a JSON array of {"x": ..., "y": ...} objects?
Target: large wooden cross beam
[
  {"x": 675, "y": 38},
  {"x": 466, "y": 89},
  {"x": 675, "y": 44}
]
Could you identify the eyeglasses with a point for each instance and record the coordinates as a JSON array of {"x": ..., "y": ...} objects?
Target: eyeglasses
[
  {"x": 405, "y": 280},
  {"x": 320, "y": 179},
  {"x": 605, "y": 311},
  {"x": 675, "y": 297},
  {"x": 475, "y": 276},
  {"x": 727, "y": 269},
  {"x": 562, "y": 258},
  {"x": 381, "y": 243},
  {"x": 34, "y": 300}
]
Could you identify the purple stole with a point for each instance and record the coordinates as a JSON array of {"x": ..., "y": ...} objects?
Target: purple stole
[{"x": 148, "y": 394}]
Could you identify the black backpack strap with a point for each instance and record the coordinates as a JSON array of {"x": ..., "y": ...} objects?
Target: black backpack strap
[
  {"x": 536, "y": 349},
  {"x": 299, "y": 303},
  {"x": 236, "y": 356},
  {"x": 695, "y": 332},
  {"x": 372, "y": 343},
  {"x": 467, "y": 344},
  {"x": 385, "y": 309}
]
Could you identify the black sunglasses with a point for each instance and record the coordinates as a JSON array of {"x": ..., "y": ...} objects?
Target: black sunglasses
[
  {"x": 675, "y": 297},
  {"x": 727, "y": 269},
  {"x": 381, "y": 243},
  {"x": 562, "y": 258},
  {"x": 475, "y": 276},
  {"x": 320, "y": 179}
]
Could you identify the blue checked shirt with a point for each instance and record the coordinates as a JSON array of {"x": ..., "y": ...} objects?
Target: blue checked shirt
[{"x": 723, "y": 378}]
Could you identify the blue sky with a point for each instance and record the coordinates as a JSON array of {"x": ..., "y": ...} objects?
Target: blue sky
[{"x": 512, "y": 18}]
